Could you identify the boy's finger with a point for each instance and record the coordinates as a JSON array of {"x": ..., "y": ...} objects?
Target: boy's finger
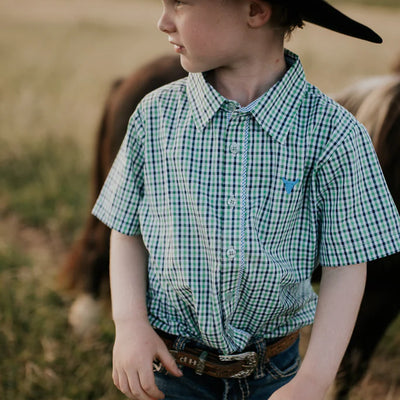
[
  {"x": 135, "y": 389},
  {"x": 115, "y": 378},
  {"x": 123, "y": 385},
  {"x": 148, "y": 384},
  {"x": 169, "y": 362}
]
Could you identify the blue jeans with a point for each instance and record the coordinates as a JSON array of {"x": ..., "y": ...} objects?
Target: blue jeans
[{"x": 268, "y": 377}]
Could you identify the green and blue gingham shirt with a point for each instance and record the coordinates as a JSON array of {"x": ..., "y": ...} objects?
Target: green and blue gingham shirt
[{"x": 238, "y": 205}]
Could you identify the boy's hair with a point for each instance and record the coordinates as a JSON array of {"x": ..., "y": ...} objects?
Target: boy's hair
[{"x": 285, "y": 16}]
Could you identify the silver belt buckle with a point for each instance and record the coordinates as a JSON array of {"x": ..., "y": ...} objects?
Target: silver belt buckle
[{"x": 249, "y": 358}]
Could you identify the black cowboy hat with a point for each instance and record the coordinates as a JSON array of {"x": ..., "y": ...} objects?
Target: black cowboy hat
[{"x": 321, "y": 13}]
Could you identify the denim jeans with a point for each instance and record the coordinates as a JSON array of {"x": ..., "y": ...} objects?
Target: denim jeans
[{"x": 268, "y": 377}]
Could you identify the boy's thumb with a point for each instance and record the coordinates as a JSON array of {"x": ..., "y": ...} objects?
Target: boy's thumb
[{"x": 169, "y": 362}]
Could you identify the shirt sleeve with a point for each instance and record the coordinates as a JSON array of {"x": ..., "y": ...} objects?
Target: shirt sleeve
[
  {"x": 118, "y": 203},
  {"x": 358, "y": 220}
]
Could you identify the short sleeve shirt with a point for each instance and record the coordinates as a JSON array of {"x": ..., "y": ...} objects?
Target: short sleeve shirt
[{"x": 238, "y": 205}]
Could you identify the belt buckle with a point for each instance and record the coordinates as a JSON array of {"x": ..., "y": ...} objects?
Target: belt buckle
[{"x": 249, "y": 365}]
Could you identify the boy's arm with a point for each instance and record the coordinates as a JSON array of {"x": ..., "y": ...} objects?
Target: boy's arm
[
  {"x": 340, "y": 295},
  {"x": 136, "y": 343}
]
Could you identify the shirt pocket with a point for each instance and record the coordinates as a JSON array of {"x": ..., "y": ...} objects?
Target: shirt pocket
[{"x": 276, "y": 219}]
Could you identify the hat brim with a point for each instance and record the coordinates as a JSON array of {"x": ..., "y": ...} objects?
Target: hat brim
[{"x": 323, "y": 14}]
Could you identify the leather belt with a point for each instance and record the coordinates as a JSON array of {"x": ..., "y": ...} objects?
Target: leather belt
[{"x": 213, "y": 364}]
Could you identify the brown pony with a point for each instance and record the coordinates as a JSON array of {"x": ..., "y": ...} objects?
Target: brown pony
[
  {"x": 86, "y": 267},
  {"x": 375, "y": 102}
]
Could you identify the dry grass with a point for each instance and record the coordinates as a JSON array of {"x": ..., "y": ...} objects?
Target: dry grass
[{"x": 58, "y": 58}]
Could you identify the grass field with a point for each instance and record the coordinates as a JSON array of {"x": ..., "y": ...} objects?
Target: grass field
[{"x": 58, "y": 59}]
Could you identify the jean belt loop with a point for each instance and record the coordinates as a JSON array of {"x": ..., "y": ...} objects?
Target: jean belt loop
[
  {"x": 180, "y": 343},
  {"x": 261, "y": 348}
]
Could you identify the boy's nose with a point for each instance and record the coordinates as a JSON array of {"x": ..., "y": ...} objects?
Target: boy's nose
[{"x": 165, "y": 24}]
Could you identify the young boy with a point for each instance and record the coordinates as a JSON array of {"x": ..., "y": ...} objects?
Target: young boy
[{"x": 231, "y": 186}]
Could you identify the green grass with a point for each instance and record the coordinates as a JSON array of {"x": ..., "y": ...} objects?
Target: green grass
[
  {"x": 45, "y": 183},
  {"x": 40, "y": 357},
  {"x": 12, "y": 258}
]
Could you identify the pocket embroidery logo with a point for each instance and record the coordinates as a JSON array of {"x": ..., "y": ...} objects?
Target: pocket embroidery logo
[{"x": 289, "y": 185}]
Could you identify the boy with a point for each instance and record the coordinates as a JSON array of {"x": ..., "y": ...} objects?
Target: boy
[{"x": 231, "y": 186}]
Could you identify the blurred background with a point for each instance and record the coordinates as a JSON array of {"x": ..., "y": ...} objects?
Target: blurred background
[{"x": 58, "y": 59}]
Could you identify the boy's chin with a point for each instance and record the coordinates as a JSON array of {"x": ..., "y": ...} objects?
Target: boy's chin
[{"x": 192, "y": 68}]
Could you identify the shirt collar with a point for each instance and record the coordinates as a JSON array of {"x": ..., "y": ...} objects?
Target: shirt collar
[
  {"x": 274, "y": 110},
  {"x": 204, "y": 100}
]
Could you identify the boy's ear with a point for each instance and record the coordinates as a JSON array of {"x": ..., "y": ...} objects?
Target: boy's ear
[{"x": 259, "y": 13}]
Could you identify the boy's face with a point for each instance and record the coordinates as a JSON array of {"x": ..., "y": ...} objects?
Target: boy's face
[{"x": 208, "y": 34}]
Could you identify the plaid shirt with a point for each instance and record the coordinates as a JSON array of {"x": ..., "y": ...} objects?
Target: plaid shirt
[{"x": 238, "y": 205}]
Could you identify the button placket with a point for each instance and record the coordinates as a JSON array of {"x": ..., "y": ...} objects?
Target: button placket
[
  {"x": 231, "y": 252},
  {"x": 232, "y": 202}
]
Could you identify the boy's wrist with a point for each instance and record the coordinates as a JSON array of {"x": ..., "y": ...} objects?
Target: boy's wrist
[
  {"x": 314, "y": 379},
  {"x": 132, "y": 320},
  {"x": 303, "y": 386}
]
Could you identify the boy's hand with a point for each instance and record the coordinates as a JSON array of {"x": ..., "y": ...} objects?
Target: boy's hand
[
  {"x": 299, "y": 389},
  {"x": 136, "y": 346}
]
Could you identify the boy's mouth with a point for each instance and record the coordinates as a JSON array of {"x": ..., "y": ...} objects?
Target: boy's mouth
[{"x": 177, "y": 47}]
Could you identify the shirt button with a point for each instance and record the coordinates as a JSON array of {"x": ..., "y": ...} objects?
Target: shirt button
[
  {"x": 232, "y": 106},
  {"x": 230, "y": 296},
  {"x": 234, "y": 148},
  {"x": 231, "y": 253},
  {"x": 232, "y": 201}
]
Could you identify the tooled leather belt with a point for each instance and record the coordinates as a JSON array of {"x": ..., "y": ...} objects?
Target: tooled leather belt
[{"x": 224, "y": 366}]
